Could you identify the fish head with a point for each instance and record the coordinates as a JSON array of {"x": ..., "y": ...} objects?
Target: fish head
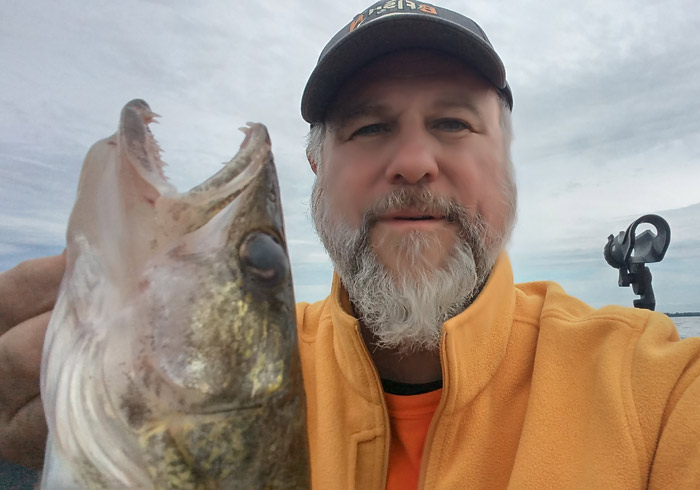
[
  {"x": 171, "y": 359},
  {"x": 215, "y": 308},
  {"x": 218, "y": 374}
]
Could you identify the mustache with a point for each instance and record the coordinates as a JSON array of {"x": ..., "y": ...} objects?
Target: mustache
[
  {"x": 473, "y": 231},
  {"x": 421, "y": 199}
]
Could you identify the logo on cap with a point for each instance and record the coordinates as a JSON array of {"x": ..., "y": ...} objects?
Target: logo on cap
[{"x": 391, "y": 6}]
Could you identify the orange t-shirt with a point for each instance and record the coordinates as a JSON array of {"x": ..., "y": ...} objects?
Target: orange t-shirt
[{"x": 410, "y": 416}]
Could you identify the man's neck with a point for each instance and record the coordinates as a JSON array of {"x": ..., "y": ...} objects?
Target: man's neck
[{"x": 416, "y": 367}]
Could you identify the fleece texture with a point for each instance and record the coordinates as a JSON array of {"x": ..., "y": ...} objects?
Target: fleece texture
[{"x": 540, "y": 391}]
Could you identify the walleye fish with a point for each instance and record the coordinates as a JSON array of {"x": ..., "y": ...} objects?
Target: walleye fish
[{"x": 171, "y": 358}]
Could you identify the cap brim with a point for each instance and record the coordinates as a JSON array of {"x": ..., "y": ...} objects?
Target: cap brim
[{"x": 391, "y": 33}]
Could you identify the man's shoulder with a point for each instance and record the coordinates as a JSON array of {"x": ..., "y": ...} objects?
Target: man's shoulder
[
  {"x": 642, "y": 343},
  {"x": 547, "y": 305}
]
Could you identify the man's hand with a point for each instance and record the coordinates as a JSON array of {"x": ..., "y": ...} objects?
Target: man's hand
[{"x": 27, "y": 295}]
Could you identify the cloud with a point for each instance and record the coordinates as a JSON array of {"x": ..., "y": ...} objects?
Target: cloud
[{"x": 605, "y": 117}]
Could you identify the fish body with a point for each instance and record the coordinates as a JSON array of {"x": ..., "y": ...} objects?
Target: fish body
[{"x": 171, "y": 358}]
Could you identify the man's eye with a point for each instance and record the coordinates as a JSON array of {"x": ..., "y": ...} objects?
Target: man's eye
[
  {"x": 452, "y": 125},
  {"x": 371, "y": 129}
]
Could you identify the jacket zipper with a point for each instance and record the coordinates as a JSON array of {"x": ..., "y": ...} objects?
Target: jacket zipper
[
  {"x": 432, "y": 428},
  {"x": 385, "y": 411}
]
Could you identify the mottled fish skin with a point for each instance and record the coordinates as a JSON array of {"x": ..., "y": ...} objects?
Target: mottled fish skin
[{"x": 171, "y": 358}]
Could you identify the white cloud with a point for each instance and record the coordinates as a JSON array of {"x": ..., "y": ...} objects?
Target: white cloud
[{"x": 605, "y": 112}]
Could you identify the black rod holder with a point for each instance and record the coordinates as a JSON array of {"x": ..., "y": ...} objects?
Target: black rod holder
[{"x": 630, "y": 253}]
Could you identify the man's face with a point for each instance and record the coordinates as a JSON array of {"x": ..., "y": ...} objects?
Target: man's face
[
  {"x": 415, "y": 119},
  {"x": 412, "y": 174}
]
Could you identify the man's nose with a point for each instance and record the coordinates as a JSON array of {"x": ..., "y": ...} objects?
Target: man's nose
[{"x": 413, "y": 159}]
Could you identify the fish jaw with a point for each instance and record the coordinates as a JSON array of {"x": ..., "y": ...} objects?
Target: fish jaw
[
  {"x": 138, "y": 146},
  {"x": 179, "y": 215}
]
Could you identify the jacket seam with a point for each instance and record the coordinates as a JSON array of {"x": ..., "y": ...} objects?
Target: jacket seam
[
  {"x": 616, "y": 319},
  {"x": 366, "y": 435},
  {"x": 526, "y": 320},
  {"x": 310, "y": 337},
  {"x": 632, "y": 413}
]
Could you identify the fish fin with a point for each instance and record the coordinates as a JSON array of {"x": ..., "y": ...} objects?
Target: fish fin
[{"x": 56, "y": 474}]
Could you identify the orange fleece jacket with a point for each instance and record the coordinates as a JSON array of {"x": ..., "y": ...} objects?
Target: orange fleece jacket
[{"x": 540, "y": 391}]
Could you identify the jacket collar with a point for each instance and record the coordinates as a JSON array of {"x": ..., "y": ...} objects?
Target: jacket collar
[{"x": 472, "y": 348}]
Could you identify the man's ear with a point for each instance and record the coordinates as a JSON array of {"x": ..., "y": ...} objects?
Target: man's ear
[{"x": 312, "y": 163}]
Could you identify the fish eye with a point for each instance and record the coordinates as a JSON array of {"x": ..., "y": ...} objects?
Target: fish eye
[{"x": 263, "y": 258}]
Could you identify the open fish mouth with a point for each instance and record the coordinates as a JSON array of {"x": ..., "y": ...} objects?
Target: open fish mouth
[{"x": 181, "y": 213}]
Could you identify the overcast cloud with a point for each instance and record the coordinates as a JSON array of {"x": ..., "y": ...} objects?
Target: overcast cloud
[{"x": 606, "y": 118}]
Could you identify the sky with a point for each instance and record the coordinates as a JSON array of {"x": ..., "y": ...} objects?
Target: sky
[{"x": 606, "y": 119}]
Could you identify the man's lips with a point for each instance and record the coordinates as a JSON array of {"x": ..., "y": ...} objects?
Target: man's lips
[
  {"x": 411, "y": 215},
  {"x": 421, "y": 217},
  {"x": 411, "y": 218}
]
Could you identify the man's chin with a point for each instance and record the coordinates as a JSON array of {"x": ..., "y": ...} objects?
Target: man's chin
[
  {"x": 405, "y": 310},
  {"x": 413, "y": 255}
]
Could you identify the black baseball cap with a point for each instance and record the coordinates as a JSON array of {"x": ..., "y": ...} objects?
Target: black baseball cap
[{"x": 394, "y": 25}]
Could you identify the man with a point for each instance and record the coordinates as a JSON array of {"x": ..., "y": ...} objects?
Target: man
[{"x": 426, "y": 366}]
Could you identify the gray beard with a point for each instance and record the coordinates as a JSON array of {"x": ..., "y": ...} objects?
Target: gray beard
[{"x": 406, "y": 310}]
